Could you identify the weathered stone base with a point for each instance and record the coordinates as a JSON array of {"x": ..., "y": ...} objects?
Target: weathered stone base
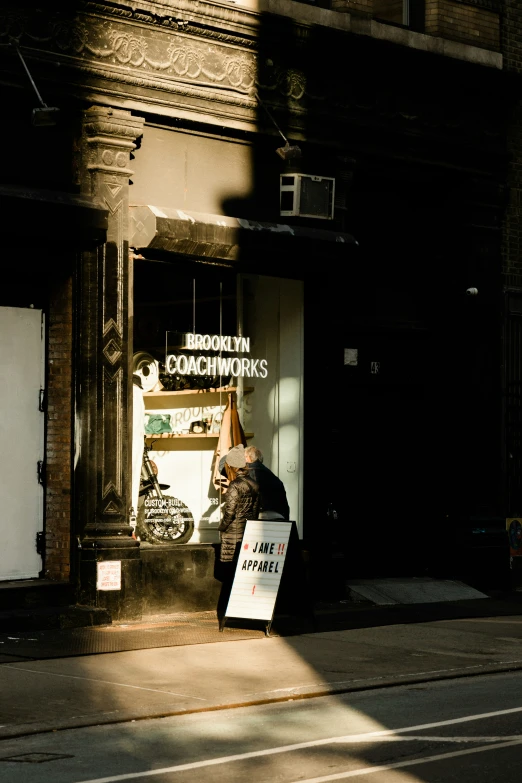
[
  {"x": 179, "y": 578},
  {"x": 124, "y": 604}
]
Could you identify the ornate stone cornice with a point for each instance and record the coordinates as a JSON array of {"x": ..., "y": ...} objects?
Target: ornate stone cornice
[
  {"x": 130, "y": 50},
  {"x": 118, "y": 126},
  {"x": 159, "y": 56},
  {"x": 224, "y": 23}
]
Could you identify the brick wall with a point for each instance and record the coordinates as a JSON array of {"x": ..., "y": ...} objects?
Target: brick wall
[
  {"x": 511, "y": 37},
  {"x": 463, "y": 23},
  {"x": 58, "y": 455},
  {"x": 471, "y": 24},
  {"x": 512, "y": 228}
]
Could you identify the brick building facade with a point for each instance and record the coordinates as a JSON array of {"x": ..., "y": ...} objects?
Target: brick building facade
[
  {"x": 511, "y": 269},
  {"x": 59, "y": 435},
  {"x": 423, "y": 144}
]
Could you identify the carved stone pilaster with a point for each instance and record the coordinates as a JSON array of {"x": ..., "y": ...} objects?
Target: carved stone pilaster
[{"x": 104, "y": 390}]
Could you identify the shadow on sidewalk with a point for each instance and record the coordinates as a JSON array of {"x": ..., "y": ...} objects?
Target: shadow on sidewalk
[{"x": 203, "y": 627}]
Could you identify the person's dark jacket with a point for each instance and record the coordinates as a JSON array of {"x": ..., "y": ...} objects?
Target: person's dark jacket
[
  {"x": 241, "y": 503},
  {"x": 271, "y": 489}
]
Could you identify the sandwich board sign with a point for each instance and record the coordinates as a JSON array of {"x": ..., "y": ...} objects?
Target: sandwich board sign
[{"x": 258, "y": 571}]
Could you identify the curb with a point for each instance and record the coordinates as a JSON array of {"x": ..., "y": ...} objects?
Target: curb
[{"x": 294, "y": 694}]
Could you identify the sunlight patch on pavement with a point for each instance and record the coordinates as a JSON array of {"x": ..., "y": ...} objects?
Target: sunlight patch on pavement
[{"x": 346, "y": 739}]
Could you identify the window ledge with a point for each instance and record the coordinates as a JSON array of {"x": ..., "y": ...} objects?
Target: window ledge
[
  {"x": 310, "y": 15},
  {"x": 426, "y": 43}
]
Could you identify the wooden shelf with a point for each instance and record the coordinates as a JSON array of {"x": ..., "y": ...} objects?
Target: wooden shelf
[
  {"x": 192, "y": 436},
  {"x": 224, "y": 390}
]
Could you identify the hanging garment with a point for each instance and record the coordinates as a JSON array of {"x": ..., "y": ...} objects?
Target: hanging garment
[{"x": 231, "y": 434}]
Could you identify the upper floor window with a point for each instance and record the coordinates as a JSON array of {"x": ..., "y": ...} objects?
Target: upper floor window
[{"x": 406, "y": 13}]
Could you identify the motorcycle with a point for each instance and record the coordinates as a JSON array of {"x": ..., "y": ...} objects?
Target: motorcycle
[{"x": 161, "y": 519}]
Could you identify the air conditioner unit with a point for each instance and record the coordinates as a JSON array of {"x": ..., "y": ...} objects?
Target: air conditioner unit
[{"x": 305, "y": 195}]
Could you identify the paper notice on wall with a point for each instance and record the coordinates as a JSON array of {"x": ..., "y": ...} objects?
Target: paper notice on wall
[
  {"x": 351, "y": 356},
  {"x": 108, "y": 575},
  {"x": 259, "y": 570}
]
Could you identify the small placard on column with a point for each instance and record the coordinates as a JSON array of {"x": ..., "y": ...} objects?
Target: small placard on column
[{"x": 108, "y": 575}]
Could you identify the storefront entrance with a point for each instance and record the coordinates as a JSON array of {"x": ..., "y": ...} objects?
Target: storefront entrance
[{"x": 22, "y": 440}]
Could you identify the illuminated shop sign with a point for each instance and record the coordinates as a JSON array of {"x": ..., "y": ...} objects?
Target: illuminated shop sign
[
  {"x": 211, "y": 365},
  {"x": 216, "y": 342}
]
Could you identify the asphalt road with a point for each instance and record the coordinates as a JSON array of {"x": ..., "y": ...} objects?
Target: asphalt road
[{"x": 467, "y": 730}]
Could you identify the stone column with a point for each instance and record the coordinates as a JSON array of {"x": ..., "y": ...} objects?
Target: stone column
[{"x": 103, "y": 389}]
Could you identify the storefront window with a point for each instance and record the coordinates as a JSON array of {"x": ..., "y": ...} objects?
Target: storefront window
[{"x": 216, "y": 345}]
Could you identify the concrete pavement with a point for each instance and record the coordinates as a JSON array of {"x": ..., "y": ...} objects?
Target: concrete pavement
[{"x": 173, "y": 665}]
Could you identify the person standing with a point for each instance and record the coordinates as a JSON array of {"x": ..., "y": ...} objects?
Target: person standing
[
  {"x": 241, "y": 503},
  {"x": 274, "y": 503},
  {"x": 294, "y": 596}
]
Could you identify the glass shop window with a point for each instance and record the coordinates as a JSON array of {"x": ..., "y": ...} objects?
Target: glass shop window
[
  {"x": 219, "y": 360},
  {"x": 186, "y": 394}
]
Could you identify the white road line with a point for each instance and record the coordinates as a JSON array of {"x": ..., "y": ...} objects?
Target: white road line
[
  {"x": 450, "y": 722},
  {"x": 514, "y": 621},
  {"x": 411, "y": 763},
  {"x": 454, "y": 654},
  {"x": 507, "y": 639},
  {"x": 366, "y": 739},
  {"x": 330, "y": 741},
  {"x": 426, "y": 737},
  {"x": 103, "y": 682}
]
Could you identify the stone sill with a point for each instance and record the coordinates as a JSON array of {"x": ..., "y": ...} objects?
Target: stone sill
[{"x": 310, "y": 15}]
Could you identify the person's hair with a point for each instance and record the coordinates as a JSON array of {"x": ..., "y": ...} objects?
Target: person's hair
[
  {"x": 253, "y": 454},
  {"x": 236, "y": 457}
]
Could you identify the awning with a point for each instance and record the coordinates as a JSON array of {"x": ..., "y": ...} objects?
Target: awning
[
  {"x": 155, "y": 230},
  {"x": 51, "y": 217}
]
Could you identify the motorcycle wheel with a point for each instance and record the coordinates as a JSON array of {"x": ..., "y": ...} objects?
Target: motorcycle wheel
[{"x": 164, "y": 521}]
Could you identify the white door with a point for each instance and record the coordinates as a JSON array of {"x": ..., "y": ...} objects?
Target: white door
[{"x": 21, "y": 440}]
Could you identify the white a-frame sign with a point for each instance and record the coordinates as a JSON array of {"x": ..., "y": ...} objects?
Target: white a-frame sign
[{"x": 258, "y": 571}]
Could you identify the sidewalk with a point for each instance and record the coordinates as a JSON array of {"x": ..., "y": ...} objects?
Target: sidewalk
[{"x": 168, "y": 665}]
